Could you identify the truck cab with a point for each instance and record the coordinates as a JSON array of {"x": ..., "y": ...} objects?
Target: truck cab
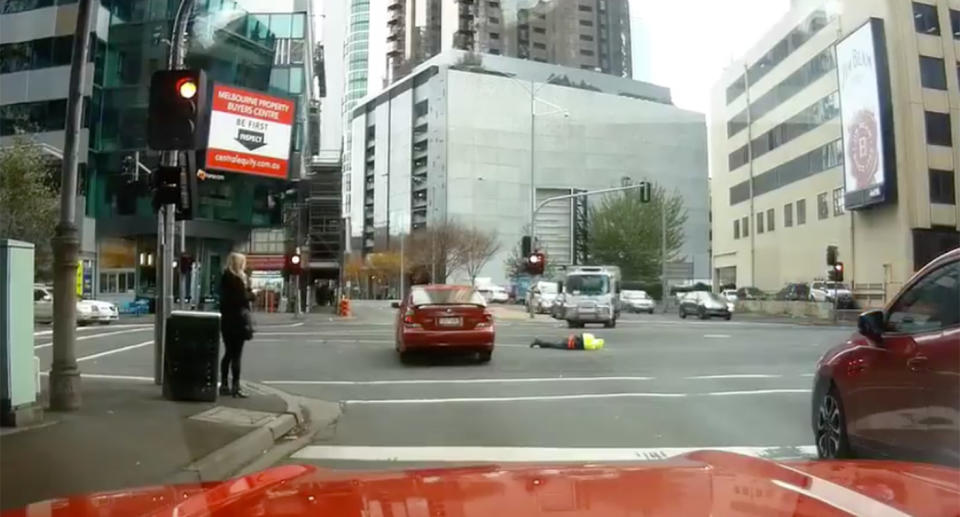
[{"x": 591, "y": 294}]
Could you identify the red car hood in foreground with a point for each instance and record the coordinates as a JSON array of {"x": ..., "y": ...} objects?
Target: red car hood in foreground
[{"x": 699, "y": 483}]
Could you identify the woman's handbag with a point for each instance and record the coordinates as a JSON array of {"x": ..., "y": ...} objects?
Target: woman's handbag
[{"x": 248, "y": 328}]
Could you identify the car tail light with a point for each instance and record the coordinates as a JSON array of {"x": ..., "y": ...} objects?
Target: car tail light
[
  {"x": 408, "y": 319},
  {"x": 486, "y": 321}
]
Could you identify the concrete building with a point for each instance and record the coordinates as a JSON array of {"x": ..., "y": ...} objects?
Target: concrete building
[
  {"x": 453, "y": 142},
  {"x": 789, "y": 145},
  {"x": 258, "y": 44},
  {"x": 588, "y": 34}
]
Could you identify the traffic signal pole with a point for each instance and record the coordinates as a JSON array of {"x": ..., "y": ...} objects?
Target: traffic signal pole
[
  {"x": 166, "y": 214},
  {"x": 64, "y": 372}
]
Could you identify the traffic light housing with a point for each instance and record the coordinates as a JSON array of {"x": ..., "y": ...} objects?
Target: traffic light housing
[
  {"x": 167, "y": 185},
  {"x": 293, "y": 264},
  {"x": 646, "y": 191},
  {"x": 835, "y": 273},
  {"x": 831, "y": 255},
  {"x": 526, "y": 246},
  {"x": 177, "y": 111},
  {"x": 536, "y": 263}
]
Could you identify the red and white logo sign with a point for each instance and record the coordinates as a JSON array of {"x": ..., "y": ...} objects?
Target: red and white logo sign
[
  {"x": 249, "y": 132},
  {"x": 862, "y": 149}
]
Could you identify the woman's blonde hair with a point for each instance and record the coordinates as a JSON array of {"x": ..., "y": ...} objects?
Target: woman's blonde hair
[{"x": 236, "y": 264}]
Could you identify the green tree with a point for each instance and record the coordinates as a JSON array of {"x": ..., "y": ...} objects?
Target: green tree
[
  {"x": 29, "y": 200},
  {"x": 624, "y": 231}
]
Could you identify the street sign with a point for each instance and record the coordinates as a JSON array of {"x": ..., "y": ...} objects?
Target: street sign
[{"x": 249, "y": 132}]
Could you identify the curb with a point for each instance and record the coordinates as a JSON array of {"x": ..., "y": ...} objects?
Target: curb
[{"x": 226, "y": 461}]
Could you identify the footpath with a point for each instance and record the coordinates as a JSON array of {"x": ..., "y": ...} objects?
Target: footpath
[{"x": 126, "y": 434}]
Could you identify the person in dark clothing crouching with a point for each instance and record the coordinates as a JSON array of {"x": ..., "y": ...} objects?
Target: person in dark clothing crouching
[{"x": 236, "y": 324}]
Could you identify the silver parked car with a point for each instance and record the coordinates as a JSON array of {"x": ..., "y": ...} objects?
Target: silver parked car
[{"x": 88, "y": 311}]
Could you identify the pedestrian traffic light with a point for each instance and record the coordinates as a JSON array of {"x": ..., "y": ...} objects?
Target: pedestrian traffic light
[
  {"x": 536, "y": 262},
  {"x": 177, "y": 110},
  {"x": 293, "y": 263},
  {"x": 526, "y": 246},
  {"x": 831, "y": 255}
]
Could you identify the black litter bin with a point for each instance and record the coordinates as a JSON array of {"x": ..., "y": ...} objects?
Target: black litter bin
[{"x": 190, "y": 357}]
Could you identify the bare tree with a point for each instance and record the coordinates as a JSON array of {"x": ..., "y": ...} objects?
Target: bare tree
[
  {"x": 434, "y": 250},
  {"x": 474, "y": 249}
]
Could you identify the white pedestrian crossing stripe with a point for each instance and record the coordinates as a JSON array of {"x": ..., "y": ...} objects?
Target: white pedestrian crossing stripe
[{"x": 485, "y": 454}]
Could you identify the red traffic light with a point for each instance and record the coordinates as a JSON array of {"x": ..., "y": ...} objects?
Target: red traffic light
[
  {"x": 536, "y": 263},
  {"x": 293, "y": 264},
  {"x": 186, "y": 88}
]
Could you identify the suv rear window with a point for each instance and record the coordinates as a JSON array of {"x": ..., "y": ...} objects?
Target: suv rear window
[{"x": 446, "y": 297}]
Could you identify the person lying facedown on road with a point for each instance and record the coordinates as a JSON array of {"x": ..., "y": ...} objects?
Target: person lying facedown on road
[{"x": 584, "y": 341}]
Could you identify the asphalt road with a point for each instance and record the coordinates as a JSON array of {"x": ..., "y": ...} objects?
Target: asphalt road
[{"x": 659, "y": 387}]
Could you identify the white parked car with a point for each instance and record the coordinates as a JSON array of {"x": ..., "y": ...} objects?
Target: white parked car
[
  {"x": 494, "y": 294},
  {"x": 730, "y": 295},
  {"x": 542, "y": 296},
  {"x": 822, "y": 291},
  {"x": 636, "y": 301},
  {"x": 88, "y": 311}
]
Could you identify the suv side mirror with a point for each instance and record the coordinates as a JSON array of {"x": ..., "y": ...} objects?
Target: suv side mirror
[{"x": 870, "y": 324}]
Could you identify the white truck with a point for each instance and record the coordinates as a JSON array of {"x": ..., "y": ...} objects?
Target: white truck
[{"x": 591, "y": 294}]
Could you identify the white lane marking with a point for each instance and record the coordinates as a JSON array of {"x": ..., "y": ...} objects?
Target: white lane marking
[
  {"x": 807, "y": 374},
  {"x": 114, "y": 351},
  {"x": 83, "y": 329},
  {"x": 716, "y": 336},
  {"x": 459, "y": 381},
  {"x": 585, "y": 396},
  {"x": 758, "y": 392},
  {"x": 534, "y": 398},
  {"x": 736, "y": 376},
  {"x": 281, "y": 325},
  {"x": 111, "y": 377},
  {"x": 530, "y": 454},
  {"x": 92, "y": 336}
]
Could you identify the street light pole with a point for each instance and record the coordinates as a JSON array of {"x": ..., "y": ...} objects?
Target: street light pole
[
  {"x": 533, "y": 193},
  {"x": 64, "y": 372}
]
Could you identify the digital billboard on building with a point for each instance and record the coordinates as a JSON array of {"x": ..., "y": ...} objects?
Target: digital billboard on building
[
  {"x": 249, "y": 132},
  {"x": 866, "y": 116}
]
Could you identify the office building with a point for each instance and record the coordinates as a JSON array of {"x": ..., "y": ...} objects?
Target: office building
[
  {"x": 588, "y": 34},
  {"x": 356, "y": 54},
  {"x": 453, "y": 143},
  {"x": 840, "y": 127},
  {"x": 270, "y": 50}
]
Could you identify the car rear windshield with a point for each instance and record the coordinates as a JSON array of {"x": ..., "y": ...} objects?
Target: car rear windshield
[{"x": 465, "y": 296}]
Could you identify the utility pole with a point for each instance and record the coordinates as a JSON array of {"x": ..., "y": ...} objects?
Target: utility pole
[
  {"x": 663, "y": 252},
  {"x": 533, "y": 196},
  {"x": 166, "y": 214},
  {"x": 64, "y": 372}
]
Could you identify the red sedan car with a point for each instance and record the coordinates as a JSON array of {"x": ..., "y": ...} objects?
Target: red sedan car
[
  {"x": 893, "y": 388},
  {"x": 444, "y": 317}
]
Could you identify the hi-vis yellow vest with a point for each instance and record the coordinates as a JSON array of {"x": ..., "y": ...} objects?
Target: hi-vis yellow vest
[{"x": 591, "y": 342}]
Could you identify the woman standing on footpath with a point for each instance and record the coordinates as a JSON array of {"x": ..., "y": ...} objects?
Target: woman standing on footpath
[{"x": 236, "y": 325}]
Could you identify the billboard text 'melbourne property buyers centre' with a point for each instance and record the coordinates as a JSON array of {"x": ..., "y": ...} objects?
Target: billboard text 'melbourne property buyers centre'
[{"x": 249, "y": 132}]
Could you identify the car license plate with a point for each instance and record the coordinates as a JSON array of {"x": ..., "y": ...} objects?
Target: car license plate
[{"x": 449, "y": 322}]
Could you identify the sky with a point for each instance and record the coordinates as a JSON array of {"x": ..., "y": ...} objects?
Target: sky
[
  {"x": 688, "y": 43},
  {"x": 691, "y": 42}
]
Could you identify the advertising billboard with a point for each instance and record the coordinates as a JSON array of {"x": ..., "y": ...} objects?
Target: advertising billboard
[
  {"x": 866, "y": 116},
  {"x": 249, "y": 132}
]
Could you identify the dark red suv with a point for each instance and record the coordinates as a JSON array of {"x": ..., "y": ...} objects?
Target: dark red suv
[{"x": 893, "y": 388}]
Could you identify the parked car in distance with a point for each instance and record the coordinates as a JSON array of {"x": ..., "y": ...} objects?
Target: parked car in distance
[
  {"x": 730, "y": 295},
  {"x": 794, "y": 292},
  {"x": 494, "y": 293},
  {"x": 444, "y": 318},
  {"x": 891, "y": 389},
  {"x": 88, "y": 311},
  {"x": 636, "y": 301},
  {"x": 542, "y": 296},
  {"x": 750, "y": 293},
  {"x": 822, "y": 291},
  {"x": 705, "y": 305}
]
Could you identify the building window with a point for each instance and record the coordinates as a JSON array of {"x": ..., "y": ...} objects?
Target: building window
[
  {"x": 539, "y": 30},
  {"x": 818, "y": 160},
  {"x": 736, "y": 228},
  {"x": 494, "y": 35},
  {"x": 925, "y": 19},
  {"x": 736, "y": 89},
  {"x": 787, "y": 46},
  {"x": 801, "y": 211},
  {"x": 745, "y": 226},
  {"x": 495, "y": 51},
  {"x": 942, "y": 187},
  {"x": 585, "y": 52},
  {"x": 932, "y": 73},
  {"x": 586, "y": 23},
  {"x": 759, "y": 222},
  {"x": 938, "y": 128},
  {"x": 585, "y": 8},
  {"x": 955, "y": 23},
  {"x": 811, "y": 117},
  {"x": 33, "y": 117},
  {"x": 494, "y": 5},
  {"x": 788, "y": 215},
  {"x": 586, "y": 37},
  {"x": 738, "y": 158},
  {"x": 823, "y": 209},
  {"x": 770, "y": 220},
  {"x": 838, "y": 201},
  {"x": 541, "y": 46},
  {"x": 117, "y": 282},
  {"x": 494, "y": 20}
]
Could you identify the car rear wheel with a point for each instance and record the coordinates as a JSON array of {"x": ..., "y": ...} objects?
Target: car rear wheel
[
  {"x": 831, "y": 430},
  {"x": 485, "y": 356},
  {"x": 683, "y": 314},
  {"x": 702, "y": 313},
  {"x": 650, "y": 311},
  {"x": 728, "y": 316}
]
